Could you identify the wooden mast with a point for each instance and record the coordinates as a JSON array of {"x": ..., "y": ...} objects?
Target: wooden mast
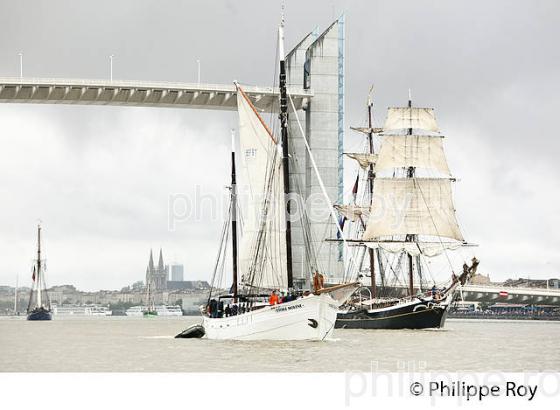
[
  {"x": 285, "y": 151},
  {"x": 370, "y": 186},
  {"x": 39, "y": 301},
  {"x": 233, "y": 217},
  {"x": 411, "y": 237}
]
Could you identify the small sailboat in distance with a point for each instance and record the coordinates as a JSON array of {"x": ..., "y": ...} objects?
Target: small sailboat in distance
[{"x": 39, "y": 307}]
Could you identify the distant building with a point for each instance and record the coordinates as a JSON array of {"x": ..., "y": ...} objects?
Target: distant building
[
  {"x": 157, "y": 276},
  {"x": 480, "y": 279},
  {"x": 533, "y": 283},
  {"x": 177, "y": 272},
  {"x": 188, "y": 285}
]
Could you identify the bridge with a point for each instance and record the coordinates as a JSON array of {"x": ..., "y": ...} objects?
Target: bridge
[
  {"x": 140, "y": 94},
  {"x": 495, "y": 293},
  {"x": 315, "y": 70}
]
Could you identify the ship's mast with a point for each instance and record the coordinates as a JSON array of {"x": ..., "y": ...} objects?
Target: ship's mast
[
  {"x": 15, "y": 294},
  {"x": 149, "y": 279},
  {"x": 411, "y": 237},
  {"x": 285, "y": 150},
  {"x": 234, "y": 216},
  {"x": 370, "y": 186},
  {"x": 39, "y": 276},
  {"x": 148, "y": 290}
]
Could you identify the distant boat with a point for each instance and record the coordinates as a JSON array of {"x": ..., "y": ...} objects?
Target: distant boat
[
  {"x": 158, "y": 310},
  {"x": 39, "y": 307},
  {"x": 81, "y": 310}
]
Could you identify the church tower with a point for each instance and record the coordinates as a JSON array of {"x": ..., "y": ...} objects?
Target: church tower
[
  {"x": 150, "y": 271},
  {"x": 157, "y": 276}
]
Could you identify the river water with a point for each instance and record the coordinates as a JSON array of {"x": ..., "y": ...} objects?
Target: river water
[{"x": 125, "y": 344}]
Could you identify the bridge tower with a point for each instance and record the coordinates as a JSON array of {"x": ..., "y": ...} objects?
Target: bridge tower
[{"x": 317, "y": 63}]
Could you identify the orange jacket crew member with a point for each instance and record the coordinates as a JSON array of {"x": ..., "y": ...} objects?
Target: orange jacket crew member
[{"x": 273, "y": 300}]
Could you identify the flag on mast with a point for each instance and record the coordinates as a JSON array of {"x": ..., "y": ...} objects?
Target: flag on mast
[{"x": 33, "y": 277}]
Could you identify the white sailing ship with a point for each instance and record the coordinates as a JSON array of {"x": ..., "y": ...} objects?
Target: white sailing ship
[
  {"x": 39, "y": 307},
  {"x": 264, "y": 261}
]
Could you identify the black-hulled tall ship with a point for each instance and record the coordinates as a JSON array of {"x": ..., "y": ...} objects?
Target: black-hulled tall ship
[
  {"x": 402, "y": 216},
  {"x": 39, "y": 307}
]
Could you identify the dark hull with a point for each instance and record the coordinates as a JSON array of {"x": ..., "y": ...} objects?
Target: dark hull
[
  {"x": 192, "y": 332},
  {"x": 420, "y": 315},
  {"x": 40, "y": 315}
]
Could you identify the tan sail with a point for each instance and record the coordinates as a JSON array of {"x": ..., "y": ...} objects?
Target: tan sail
[
  {"x": 399, "y": 118},
  {"x": 421, "y": 206},
  {"x": 420, "y": 151},
  {"x": 353, "y": 212},
  {"x": 364, "y": 159},
  {"x": 367, "y": 130}
]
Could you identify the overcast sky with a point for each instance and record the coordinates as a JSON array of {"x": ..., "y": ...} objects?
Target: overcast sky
[{"x": 100, "y": 177}]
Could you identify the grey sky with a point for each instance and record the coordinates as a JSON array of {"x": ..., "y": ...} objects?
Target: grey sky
[{"x": 99, "y": 177}]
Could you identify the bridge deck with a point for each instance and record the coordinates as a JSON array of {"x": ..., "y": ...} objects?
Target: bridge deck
[
  {"x": 138, "y": 94},
  {"x": 491, "y": 293}
]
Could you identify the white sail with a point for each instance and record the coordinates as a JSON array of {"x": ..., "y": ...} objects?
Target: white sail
[
  {"x": 261, "y": 186},
  {"x": 364, "y": 159},
  {"x": 420, "y": 151},
  {"x": 421, "y": 206},
  {"x": 399, "y": 118},
  {"x": 353, "y": 212}
]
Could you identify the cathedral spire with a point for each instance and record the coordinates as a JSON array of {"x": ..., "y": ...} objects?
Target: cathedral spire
[
  {"x": 160, "y": 262},
  {"x": 151, "y": 263}
]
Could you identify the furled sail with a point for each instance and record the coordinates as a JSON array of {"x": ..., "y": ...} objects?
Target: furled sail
[
  {"x": 421, "y": 206},
  {"x": 420, "y": 151},
  {"x": 399, "y": 118},
  {"x": 262, "y": 253},
  {"x": 364, "y": 159},
  {"x": 353, "y": 212},
  {"x": 429, "y": 249},
  {"x": 367, "y": 130}
]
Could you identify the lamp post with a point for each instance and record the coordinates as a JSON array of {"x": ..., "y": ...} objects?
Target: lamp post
[
  {"x": 111, "y": 66},
  {"x": 198, "y": 71},
  {"x": 20, "y": 65}
]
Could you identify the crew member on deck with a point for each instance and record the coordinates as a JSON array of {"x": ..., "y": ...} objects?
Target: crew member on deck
[
  {"x": 318, "y": 281},
  {"x": 273, "y": 300}
]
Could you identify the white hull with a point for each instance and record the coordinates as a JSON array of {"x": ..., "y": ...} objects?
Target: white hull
[
  {"x": 308, "y": 318},
  {"x": 160, "y": 310},
  {"x": 81, "y": 311}
]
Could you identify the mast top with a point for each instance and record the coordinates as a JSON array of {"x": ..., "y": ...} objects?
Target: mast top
[
  {"x": 281, "y": 54},
  {"x": 370, "y": 99}
]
